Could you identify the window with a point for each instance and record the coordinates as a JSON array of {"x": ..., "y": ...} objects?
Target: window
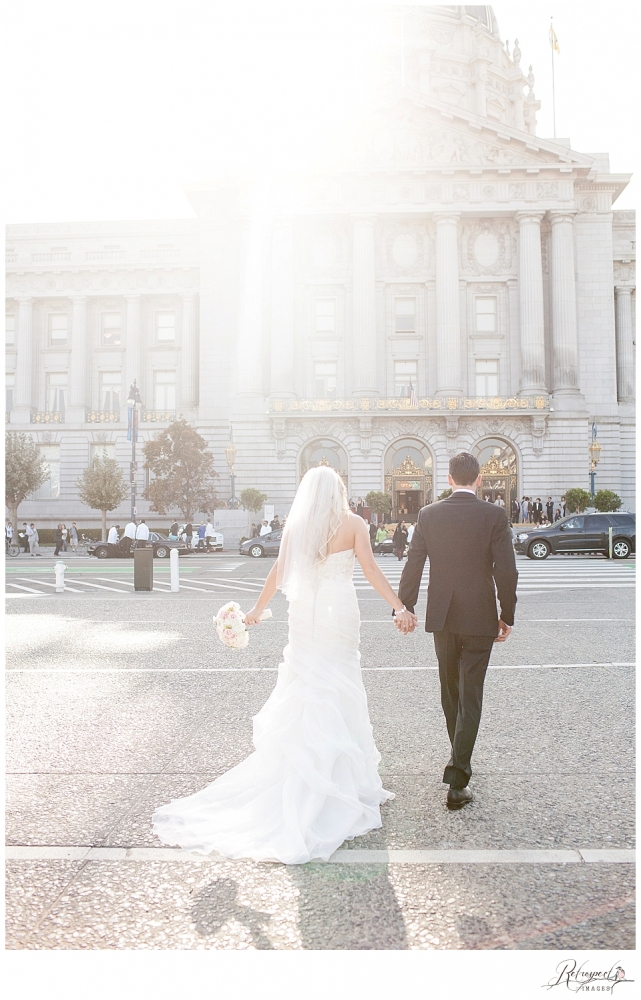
[
  {"x": 618, "y": 520},
  {"x": 405, "y": 315},
  {"x": 165, "y": 390},
  {"x": 486, "y": 315},
  {"x": 405, "y": 372},
  {"x": 575, "y": 523},
  {"x": 50, "y": 489},
  {"x": 58, "y": 329},
  {"x": 100, "y": 450},
  {"x": 110, "y": 383},
  {"x": 10, "y": 330},
  {"x": 487, "y": 378},
  {"x": 165, "y": 327},
  {"x": 10, "y": 384},
  {"x": 111, "y": 329},
  {"x": 325, "y": 316},
  {"x": 56, "y": 392},
  {"x": 325, "y": 379}
]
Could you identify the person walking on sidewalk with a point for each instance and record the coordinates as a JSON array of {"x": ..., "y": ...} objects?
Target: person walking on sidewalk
[
  {"x": 399, "y": 540},
  {"x": 549, "y": 510},
  {"x": 57, "y": 537},
  {"x": 113, "y": 539},
  {"x": 65, "y": 535},
  {"x": 24, "y": 536},
  {"x": 129, "y": 537},
  {"x": 73, "y": 537},
  {"x": 34, "y": 540},
  {"x": 142, "y": 535},
  {"x": 209, "y": 535}
]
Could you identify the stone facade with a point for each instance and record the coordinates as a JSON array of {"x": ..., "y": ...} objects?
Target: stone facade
[{"x": 447, "y": 280}]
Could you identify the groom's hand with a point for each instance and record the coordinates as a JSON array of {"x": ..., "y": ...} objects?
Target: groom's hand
[
  {"x": 405, "y": 621},
  {"x": 504, "y": 631}
]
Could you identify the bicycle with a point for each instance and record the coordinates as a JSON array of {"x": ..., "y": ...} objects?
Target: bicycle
[
  {"x": 82, "y": 548},
  {"x": 13, "y": 550}
]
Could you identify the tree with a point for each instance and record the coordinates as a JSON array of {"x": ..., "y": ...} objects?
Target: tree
[
  {"x": 102, "y": 487},
  {"x": 379, "y": 502},
  {"x": 183, "y": 470},
  {"x": 576, "y": 500},
  {"x": 605, "y": 500},
  {"x": 25, "y": 472},
  {"x": 445, "y": 494},
  {"x": 252, "y": 500}
]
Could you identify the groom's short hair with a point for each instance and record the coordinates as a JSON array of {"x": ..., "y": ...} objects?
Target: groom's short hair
[{"x": 464, "y": 469}]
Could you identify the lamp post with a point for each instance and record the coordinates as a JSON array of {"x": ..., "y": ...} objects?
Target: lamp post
[
  {"x": 230, "y": 458},
  {"x": 134, "y": 405},
  {"x": 595, "y": 454}
]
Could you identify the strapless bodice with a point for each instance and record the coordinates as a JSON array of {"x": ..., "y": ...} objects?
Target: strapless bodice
[{"x": 337, "y": 566}]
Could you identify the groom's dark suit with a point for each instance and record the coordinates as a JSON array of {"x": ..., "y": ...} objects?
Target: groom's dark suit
[{"x": 469, "y": 545}]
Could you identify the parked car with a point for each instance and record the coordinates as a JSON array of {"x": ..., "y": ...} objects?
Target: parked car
[
  {"x": 162, "y": 546},
  {"x": 216, "y": 542},
  {"x": 579, "y": 533},
  {"x": 384, "y": 548},
  {"x": 262, "y": 545}
]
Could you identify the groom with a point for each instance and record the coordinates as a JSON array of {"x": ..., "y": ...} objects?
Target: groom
[{"x": 469, "y": 545}]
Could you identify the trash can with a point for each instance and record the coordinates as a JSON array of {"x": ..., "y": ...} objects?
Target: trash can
[{"x": 144, "y": 568}]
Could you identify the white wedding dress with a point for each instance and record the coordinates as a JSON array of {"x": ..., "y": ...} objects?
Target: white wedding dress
[{"x": 312, "y": 781}]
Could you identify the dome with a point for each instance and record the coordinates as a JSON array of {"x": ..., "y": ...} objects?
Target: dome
[{"x": 480, "y": 13}]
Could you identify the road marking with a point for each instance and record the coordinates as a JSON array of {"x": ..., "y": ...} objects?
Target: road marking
[
  {"x": 342, "y": 856},
  {"x": 43, "y": 583},
  {"x": 99, "y": 586},
  {"x": 30, "y": 589},
  {"x": 258, "y": 670}
]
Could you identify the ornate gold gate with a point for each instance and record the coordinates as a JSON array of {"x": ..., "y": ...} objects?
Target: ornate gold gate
[
  {"x": 499, "y": 472},
  {"x": 408, "y": 483}
]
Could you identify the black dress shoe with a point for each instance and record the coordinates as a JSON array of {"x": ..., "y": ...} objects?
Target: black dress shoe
[{"x": 458, "y": 797}]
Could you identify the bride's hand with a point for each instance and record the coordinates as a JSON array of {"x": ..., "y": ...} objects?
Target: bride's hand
[
  {"x": 252, "y": 617},
  {"x": 405, "y": 621}
]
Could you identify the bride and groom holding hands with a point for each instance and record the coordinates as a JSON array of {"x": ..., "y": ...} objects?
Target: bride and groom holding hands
[{"x": 312, "y": 781}]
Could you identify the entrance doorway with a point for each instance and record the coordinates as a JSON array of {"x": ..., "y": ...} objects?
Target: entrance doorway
[
  {"x": 499, "y": 472},
  {"x": 408, "y": 504},
  {"x": 408, "y": 478}
]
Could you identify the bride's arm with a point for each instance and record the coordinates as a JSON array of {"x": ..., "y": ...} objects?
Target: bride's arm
[
  {"x": 375, "y": 576},
  {"x": 253, "y": 617}
]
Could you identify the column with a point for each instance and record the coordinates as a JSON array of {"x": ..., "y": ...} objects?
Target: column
[
  {"x": 364, "y": 307},
  {"x": 448, "y": 320},
  {"x": 531, "y": 304},
  {"x": 188, "y": 355},
  {"x": 133, "y": 344},
  {"x": 282, "y": 318},
  {"x": 78, "y": 381},
  {"x": 565, "y": 343},
  {"x": 625, "y": 343},
  {"x": 249, "y": 361},
  {"x": 24, "y": 403}
]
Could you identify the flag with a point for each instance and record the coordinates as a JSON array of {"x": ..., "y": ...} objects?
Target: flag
[
  {"x": 594, "y": 431},
  {"x": 413, "y": 396},
  {"x": 554, "y": 42}
]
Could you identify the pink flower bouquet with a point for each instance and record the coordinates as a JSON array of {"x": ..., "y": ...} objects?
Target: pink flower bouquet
[{"x": 230, "y": 625}]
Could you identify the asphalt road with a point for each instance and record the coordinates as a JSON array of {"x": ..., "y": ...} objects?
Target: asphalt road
[{"x": 118, "y": 701}]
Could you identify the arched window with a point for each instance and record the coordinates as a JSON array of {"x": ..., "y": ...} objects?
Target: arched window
[
  {"x": 324, "y": 452},
  {"x": 499, "y": 471},
  {"x": 408, "y": 477}
]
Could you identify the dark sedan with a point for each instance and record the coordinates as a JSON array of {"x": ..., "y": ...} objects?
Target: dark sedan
[
  {"x": 262, "y": 545},
  {"x": 579, "y": 533},
  {"x": 162, "y": 546}
]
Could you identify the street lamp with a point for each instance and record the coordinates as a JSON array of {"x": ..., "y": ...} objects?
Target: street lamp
[
  {"x": 134, "y": 405},
  {"x": 595, "y": 454},
  {"x": 230, "y": 458}
]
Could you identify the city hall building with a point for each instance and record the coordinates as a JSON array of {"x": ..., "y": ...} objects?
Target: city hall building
[{"x": 450, "y": 281}]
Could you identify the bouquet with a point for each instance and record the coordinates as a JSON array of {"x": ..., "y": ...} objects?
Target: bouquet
[{"x": 230, "y": 625}]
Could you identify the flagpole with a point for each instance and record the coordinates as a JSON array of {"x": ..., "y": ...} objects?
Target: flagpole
[
  {"x": 403, "y": 47},
  {"x": 553, "y": 94}
]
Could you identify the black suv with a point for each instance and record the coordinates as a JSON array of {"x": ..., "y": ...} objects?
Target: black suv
[
  {"x": 262, "y": 545},
  {"x": 578, "y": 533}
]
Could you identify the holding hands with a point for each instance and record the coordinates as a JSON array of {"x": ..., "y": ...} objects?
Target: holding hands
[{"x": 405, "y": 621}]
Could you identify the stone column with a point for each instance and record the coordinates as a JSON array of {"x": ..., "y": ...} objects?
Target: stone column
[
  {"x": 565, "y": 343},
  {"x": 282, "y": 318},
  {"x": 364, "y": 307},
  {"x": 24, "y": 403},
  {"x": 625, "y": 343},
  {"x": 133, "y": 345},
  {"x": 249, "y": 362},
  {"x": 531, "y": 304},
  {"x": 448, "y": 318},
  {"x": 78, "y": 381},
  {"x": 188, "y": 355}
]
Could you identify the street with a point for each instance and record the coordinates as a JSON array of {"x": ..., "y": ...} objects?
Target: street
[{"x": 120, "y": 701}]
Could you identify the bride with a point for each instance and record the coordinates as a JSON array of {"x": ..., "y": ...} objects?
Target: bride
[{"x": 312, "y": 781}]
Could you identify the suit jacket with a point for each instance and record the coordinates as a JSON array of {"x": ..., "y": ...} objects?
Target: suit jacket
[
  {"x": 469, "y": 545},
  {"x": 537, "y": 508}
]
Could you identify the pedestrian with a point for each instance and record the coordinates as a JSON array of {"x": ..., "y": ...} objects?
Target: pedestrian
[
  {"x": 360, "y": 507},
  {"x": 410, "y": 532},
  {"x": 352, "y": 506},
  {"x": 549, "y": 509},
  {"x": 264, "y": 529},
  {"x": 523, "y": 510},
  {"x": 275, "y": 523},
  {"x": 142, "y": 535},
  {"x": 537, "y": 511},
  {"x": 515, "y": 510},
  {"x": 499, "y": 502},
  {"x": 173, "y": 532},
  {"x": 65, "y": 535},
  {"x": 189, "y": 535},
  {"x": 202, "y": 528},
  {"x": 129, "y": 537},
  {"x": 372, "y": 534},
  {"x": 381, "y": 534},
  {"x": 34, "y": 540},
  {"x": 113, "y": 539},
  {"x": 57, "y": 537},
  {"x": 210, "y": 534},
  {"x": 24, "y": 536},
  {"x": 564, "y": 508},
  {"x": 399, "y": 540},
  {"x": 8, "y": 535},
  {"x": 557, "y": 514},
  {"x": 73, "y": 537},
  {"x": 530, "y": 509}
]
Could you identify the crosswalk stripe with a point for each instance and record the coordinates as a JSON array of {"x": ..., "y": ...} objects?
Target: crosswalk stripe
[
  {"x": 99, "y": 586},
  {"x": 29, "y": 589},
  {"x": 45, "y": 584}
]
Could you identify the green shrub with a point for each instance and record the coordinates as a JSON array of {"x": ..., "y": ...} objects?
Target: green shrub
[
  {"x": 605, "y": 500},
  {"x": 576, "y": 500}
]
